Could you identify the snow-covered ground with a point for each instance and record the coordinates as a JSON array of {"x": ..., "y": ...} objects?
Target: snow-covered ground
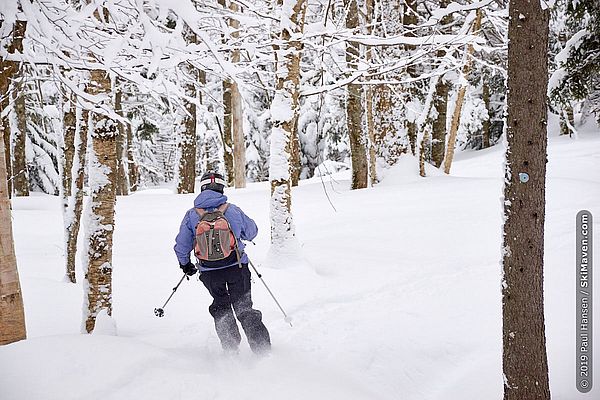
[{"x": 408, "y": 308}]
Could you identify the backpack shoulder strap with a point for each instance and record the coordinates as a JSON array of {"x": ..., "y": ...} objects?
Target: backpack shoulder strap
[
  {"x": 223, "y": 207},
  {"x": 200, "y": 212}
]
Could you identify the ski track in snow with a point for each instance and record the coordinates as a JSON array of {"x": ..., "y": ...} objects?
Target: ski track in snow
[{"x": 412, "y": 311}]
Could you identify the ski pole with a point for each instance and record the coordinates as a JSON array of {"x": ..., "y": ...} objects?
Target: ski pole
[
  {"x": 159, "y": 312},
  {"x": 286, "y": 318}
]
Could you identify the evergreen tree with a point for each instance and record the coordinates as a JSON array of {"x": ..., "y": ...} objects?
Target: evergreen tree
[
  {"x": 579, "y": 62},
  {"x": 524, "y": 358}
]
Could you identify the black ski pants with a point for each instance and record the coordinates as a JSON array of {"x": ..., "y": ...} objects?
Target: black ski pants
[{"x": 231, "y": 287}]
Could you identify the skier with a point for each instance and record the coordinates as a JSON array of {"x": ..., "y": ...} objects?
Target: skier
[{"x": 227, "y": 279}]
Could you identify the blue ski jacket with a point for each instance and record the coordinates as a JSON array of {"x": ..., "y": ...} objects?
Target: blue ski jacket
[{"x": 243, "y": 227}]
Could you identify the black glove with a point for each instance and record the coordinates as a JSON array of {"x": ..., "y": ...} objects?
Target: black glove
[{"x": 189, "y": 268}]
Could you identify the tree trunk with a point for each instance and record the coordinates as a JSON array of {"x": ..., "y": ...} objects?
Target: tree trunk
[
  {"x": 74, "y": 220},
  {"x": 103, "y": 166},
  {"x": 68, "y": 148},
  {"x": 570, "y": 119},
  {"x": 387, "y": 124},
  {"x": 121, "y": 183},
  {"x": 440, "y": 103},
  {"x": 131, "y": 165},
  {"x": 12, "y": 316},
  {"x": 284, "y": 111},
  {"x": 208, "y": 163},
  {"x": 354, "y": 109},
  {"x": 237, "y": 121},
  {"x": 21, "y": 175},
  {"x": 227, "y": 132},
  {"x": 66, "y": 160},
  {"x": 369, "y": 6},
  {"x": 524, "y": 357},
  {"x": 423, "y": 151},
  {"x": 567, "y": 120},
  {"x": 187, "y": 139},
  {"x": 460, "y": 99},
  {"x": 371, "y": 136},
  {"x": 486, "y": 123},
  {"x": 239, "y": 141},
  {"x": 409, "y": 20},
  {"x": 5, "y": 76},
  {"x": 357, "y": 142},
  {"x": 8, "y": 70},
  {"x": 296, "y": 163}
]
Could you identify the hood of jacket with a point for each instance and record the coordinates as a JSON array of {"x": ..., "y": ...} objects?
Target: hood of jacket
[{"x": 209, "y": 199}]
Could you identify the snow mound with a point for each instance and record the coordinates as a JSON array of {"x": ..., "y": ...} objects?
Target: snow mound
[
  {"x": 105, "y": 324},
  {"x": 405, "y": 170}
]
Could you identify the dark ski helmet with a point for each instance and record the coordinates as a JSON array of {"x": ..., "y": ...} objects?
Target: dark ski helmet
[{"x": 212, "y": 181}]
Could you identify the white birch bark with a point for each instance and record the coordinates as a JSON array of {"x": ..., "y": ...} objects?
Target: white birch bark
[
  {"x": 284, "y": 112},
  {"x": 12, "y": 317},
  {"x": 100, "y": 211},
  {"x": 460, "y": 99}
]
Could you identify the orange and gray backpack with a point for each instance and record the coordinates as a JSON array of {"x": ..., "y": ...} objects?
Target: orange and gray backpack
[{"x": 215, "y": 240}]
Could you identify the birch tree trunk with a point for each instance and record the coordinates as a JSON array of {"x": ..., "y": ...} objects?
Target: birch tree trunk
[
  {"x": 567, "y": 120},
  {"x": 369, "y": 8},
  {"x": 460, "y": 98},
  {"x": 227, "y": 132},
  {"x": 67, "y": 156},
  {"x": 524, "y": 359},
  {"x": 239, "y": 141},
  {"x": 387, "y": 122},
  {"x": 5, "y": 76},
  {"x": 121, "y": 183},
  {"x": 100, "y": 216},
  {"x": 131, "y": 165},
  {"x": 237, "y": 121},
  {"x": 284, "y": 113},
  {"x": 68, "y": 148},
  {"x": 296, "y": 159},
  {"x": 440, "y": 103},
  {"x": 207, "y": 147},
  {"x": 409, "y": 20},
  {"x": 12, "y": 316},
  {"x": 187, "y": 139},
  {"x": 354, "y": 109},
  {"x": 423, "y": 150},
  {"x": 371, "y": 135},
  {"x": 74, "y": 217}
]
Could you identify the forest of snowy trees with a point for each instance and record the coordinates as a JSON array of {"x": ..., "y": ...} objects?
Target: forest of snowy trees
[
  {"x": 100, "y": 99},
  {"x": 197, "y": 85}
]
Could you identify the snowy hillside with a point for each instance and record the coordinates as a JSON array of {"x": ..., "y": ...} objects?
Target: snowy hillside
[{"x": 408, "y": 308}]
